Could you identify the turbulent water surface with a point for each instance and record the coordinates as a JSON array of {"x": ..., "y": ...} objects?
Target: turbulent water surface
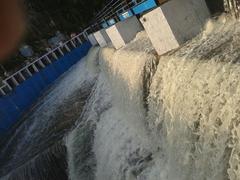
[
  {"x": 36, "y": 149},
  {"x": 130, "y": 115}
]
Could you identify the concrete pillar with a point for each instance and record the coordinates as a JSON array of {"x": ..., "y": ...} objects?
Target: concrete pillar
[
  {"x": 175, "y": 22},
  {"x": 102, "y": 38},
  {"x": 92, "y": 39},
  {"x": 124, "y": 31}
]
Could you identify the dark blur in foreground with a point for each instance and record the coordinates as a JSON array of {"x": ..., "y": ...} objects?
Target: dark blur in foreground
[{"x": 11, "y": 26}]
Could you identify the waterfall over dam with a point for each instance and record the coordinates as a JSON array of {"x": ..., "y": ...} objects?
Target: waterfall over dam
[{"x": 129, "y": 114}]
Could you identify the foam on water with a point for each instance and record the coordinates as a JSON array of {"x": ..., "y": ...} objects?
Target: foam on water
[
  {"x": 184, "y": 123},
  {"x": 122, "y": 144},
  {"x": 194, "y": 104}
]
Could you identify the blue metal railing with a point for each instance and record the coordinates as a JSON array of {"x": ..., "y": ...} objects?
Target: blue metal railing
[
  {"x": 44, "y": 61},
  {"x": 119, "y": 10}
]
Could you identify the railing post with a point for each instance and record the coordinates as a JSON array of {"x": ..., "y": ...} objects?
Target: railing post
[
  {"x": 85, "y": 35},
  {"x": 79, "y": 40},
  {"x": 54, "y": 55},
  {"x": 61, "y": 52},
  {"x": 8, "y": 85},
  {"x": 28, "y": 71},
  {"x": 48, "y": 59},
  {"x": 41, "y": 63},
  {"x": 14, "y": 81},
  {"x": 22, "y": 76},
  {"x": 66, "y": 46},
  {"x": 2, "y": 91},
  {"x": 73, "y": 44},
  {"x": 35, "y": 68}
]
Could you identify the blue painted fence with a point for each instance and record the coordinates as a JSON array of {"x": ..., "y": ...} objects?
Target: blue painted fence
[
  {"x": 20, "y": 100},
  {"x": 125, "y": 15},
  {"x": 136, "y": 10},
  {"x": 145, "y": 6}
]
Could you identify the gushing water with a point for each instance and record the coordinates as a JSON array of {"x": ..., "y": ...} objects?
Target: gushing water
[
  {"x": 36, "y": 149},
  {"x": 141, "y": 117},
  {"x": 194, "y": 104}
]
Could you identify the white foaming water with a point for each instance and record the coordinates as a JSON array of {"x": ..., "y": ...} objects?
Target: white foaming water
[
  {"x": 189, "y": 126},
  {"x": 122, "y": 142},
  {"x": 194, "y": 103},
  {"x": 122, "y": 146},
  {"x": 46, "y": 124},
  {"x": 54, "y": 99}
]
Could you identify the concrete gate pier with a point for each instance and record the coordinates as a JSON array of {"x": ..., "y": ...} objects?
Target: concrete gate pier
[
  {"x": 124, "y": 31},
  {"x": 175, "y": 22},
  {"x": 92, "y": 39},
  {"x": 102, "y": 38}
]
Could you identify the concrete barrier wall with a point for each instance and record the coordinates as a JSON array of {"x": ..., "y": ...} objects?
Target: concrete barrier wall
[
  {"x": 92, "y": 39},
  {"x": 19, "y": 101},
  {"x": 102, "y": 37},
  {"x": 168, "y": 30},
  {"x": 124, "y": 31}
]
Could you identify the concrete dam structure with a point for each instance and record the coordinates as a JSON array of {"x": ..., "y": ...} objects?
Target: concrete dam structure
[{"x": 130, "y": 111}]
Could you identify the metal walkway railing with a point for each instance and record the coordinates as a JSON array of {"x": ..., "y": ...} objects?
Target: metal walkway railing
[
  {"x": 111, "y": 13},
  {"x": 113, "y": 8},
  {"x": 26, "y": 72}
]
